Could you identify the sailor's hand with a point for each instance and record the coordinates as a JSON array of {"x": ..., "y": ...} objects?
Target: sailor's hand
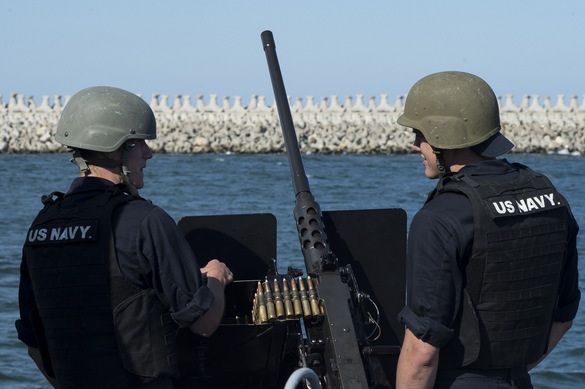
[{"x": 218, "y": 270}]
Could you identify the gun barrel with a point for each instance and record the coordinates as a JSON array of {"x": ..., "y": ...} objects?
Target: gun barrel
[
  {"x": 314, "y": 245},
  {"x": 344, "y": 365},
  {"x": 300, "y": 181}
]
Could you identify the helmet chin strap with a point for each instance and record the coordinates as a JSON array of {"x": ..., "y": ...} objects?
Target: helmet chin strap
[
  {"x": 441, "y": 165},
  {"x": 83, "y": 163},
  {"x": 125, "y": 175},
  {"x": 78, "y": 160}
]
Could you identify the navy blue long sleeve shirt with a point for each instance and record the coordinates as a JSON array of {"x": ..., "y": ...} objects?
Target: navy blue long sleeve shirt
[
  {"x": 151, "y": 251},
  {"x": 441, "y": 232}
]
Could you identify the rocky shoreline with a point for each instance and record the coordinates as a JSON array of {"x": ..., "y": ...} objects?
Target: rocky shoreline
[{"x": 325, "y": 128}]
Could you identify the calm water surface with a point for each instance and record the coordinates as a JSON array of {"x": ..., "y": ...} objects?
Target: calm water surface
[{"x": 189, "y": 185}]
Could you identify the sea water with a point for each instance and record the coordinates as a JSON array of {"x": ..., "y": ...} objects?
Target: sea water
[{"x": 213, "y": 184}]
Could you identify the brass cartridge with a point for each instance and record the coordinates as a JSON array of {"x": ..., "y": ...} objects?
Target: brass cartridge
[
  {"x": 278, "y": 304},
  {"x": 305, "y": 300},
  {"x": 313, "y": 297},
  {"x": 288, "y": 306},
  {"x": 270, "y": 309},
  {"x": 261, "y": 306},
  {"x": 298, "y": 308},
  {"x": 255, "y": 309}
]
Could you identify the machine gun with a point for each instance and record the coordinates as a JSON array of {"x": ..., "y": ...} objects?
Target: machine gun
[
  {"x": 335, "y": 334},
  {"x": 342, "y": 328}
]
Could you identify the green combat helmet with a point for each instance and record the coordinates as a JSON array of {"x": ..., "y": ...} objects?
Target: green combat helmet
[
  {"x": 455, "y": 110},
  {"x": 103, "y": 119}
]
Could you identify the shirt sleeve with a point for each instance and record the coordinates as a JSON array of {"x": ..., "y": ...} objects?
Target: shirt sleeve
[
  {"x": 440, "y": 233},
  {"x": 26, "y": 304},
  {"x": 166, "y": 262},
  {"x": 569, "y": 294}
]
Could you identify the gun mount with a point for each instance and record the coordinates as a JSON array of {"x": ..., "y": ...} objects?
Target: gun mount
[{"x": 344, "y": 328}]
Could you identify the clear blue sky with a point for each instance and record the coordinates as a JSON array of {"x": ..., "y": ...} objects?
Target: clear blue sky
[{"x": 325, "y": 47}]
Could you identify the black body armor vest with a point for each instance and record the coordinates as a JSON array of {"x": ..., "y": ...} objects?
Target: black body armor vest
[
  {"x": 96, "y": 329},
  {"x": 510, "y": 283}
]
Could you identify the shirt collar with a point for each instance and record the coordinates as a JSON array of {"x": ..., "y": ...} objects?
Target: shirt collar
[
  {"x": 88, "y": 184},
  {"x": 489, "y": 167}
]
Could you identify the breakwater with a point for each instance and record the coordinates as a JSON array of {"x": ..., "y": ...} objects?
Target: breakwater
[{"x": 355, "y": 124}]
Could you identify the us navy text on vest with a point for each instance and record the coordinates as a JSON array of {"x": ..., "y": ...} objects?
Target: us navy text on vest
[
  {"x": 516, "y": 205},
  {"x": 61, "y": 233}
]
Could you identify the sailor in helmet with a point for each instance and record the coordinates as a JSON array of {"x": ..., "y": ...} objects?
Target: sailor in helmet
[
  {"x": 492, "y": 281},
  {"x": 107, "y": 278}
]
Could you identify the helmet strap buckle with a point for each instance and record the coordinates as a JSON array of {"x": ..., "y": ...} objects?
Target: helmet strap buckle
[
  {"x": 128, "y": 146},
  {"x": 125, "y": 176},
  {"x": 78, "y": 160},
  {"x": 441, "y": 165}
]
